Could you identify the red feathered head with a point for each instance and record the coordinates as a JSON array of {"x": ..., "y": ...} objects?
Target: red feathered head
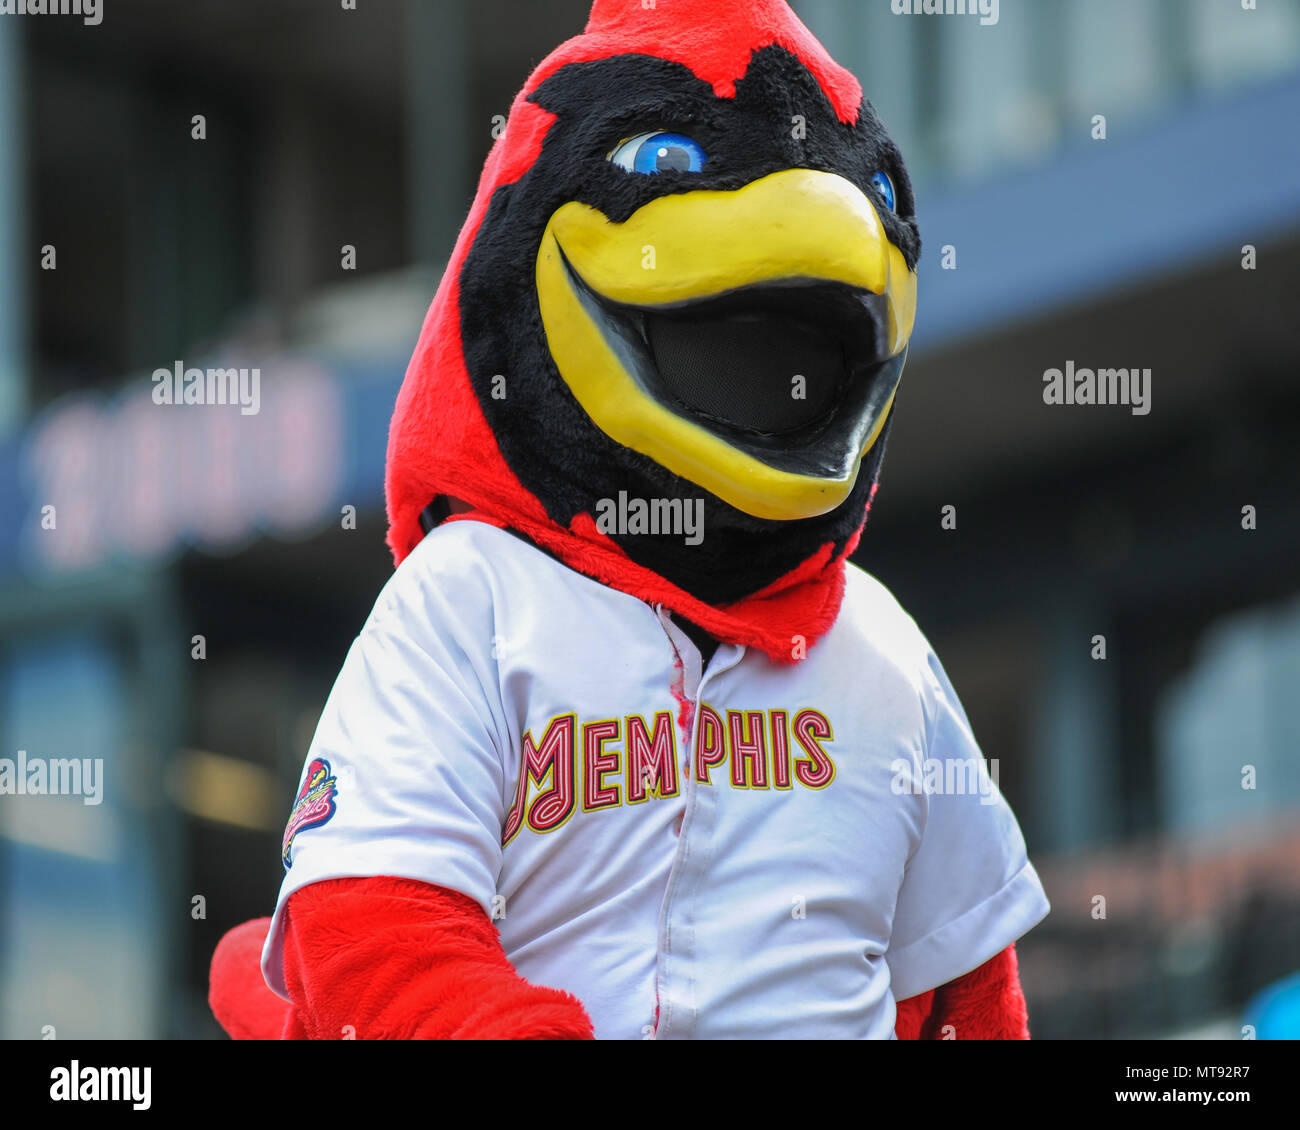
[{"x": 668, "y": 342}]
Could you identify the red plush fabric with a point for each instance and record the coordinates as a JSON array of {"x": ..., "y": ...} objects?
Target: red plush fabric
[
  {"x": 439, "y": 443},
  {"x": 397, "y": 959},
  {"x": 985, "y": 1004},
  {"x": 912, "y": 1016},
  {"x": 714, "y": 40},
  {"x": 237, "y": 994}
]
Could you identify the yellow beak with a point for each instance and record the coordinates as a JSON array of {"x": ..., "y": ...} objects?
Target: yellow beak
[{"x": 796, "y": 226}]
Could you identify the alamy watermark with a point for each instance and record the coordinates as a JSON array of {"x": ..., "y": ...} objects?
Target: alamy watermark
[
  {"x": 987, "y": 10},
  {"x": 674, "y": 517},
  {"x": 58, "y": 776},
  {"x": 1098, "y": 386},
  {"x": 90, "y": 11},
  {"x": 179, "y": 385},
  {"x": 76, "y": 1083},
  {"x": 948, "y": 776}
]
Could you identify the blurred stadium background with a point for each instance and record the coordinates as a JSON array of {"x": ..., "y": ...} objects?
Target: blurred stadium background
[{"x": 327, "y": 127}]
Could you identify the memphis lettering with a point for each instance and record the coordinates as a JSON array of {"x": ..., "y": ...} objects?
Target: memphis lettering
[{"x": 595, "y": 765}]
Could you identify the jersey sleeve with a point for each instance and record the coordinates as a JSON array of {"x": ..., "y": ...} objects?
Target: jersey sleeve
[
  {"x": 404, "y": 776},
  {"x": 969, "y": 889}
]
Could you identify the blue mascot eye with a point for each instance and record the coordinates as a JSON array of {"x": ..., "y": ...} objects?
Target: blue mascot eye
[
  {"x": 659, "y": 153},
  {"x": 885, "y": 187}
]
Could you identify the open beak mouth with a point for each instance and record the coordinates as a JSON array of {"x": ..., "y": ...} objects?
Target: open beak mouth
[
  {"x": 794, "y": 374},
  {"x": 750, "y": 342}
]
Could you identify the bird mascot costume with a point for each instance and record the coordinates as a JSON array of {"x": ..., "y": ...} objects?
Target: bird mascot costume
[{"x": 627, "y": 747}]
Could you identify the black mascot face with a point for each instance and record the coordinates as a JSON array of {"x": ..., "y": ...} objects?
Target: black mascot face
[{"x": 696, "y": 297}]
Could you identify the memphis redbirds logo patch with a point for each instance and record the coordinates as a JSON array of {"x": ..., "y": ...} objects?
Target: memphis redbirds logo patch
[{"x": 314, "y": 806}]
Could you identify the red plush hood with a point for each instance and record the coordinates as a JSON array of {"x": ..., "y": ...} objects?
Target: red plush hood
[{"x": 440, "y": 443}]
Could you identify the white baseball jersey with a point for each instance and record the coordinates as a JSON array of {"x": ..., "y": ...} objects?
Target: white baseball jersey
[{"x": 752, "y": 850}]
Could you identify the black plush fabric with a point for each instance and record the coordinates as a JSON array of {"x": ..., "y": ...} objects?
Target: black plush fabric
[{"x": 544, "y": 434}]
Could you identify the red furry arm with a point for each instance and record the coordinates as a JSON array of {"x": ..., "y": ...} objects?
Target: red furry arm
[
  {"x": 985, "y": 1004},
  {"x": 912, "y": 1016},
  {"x": 400, "y": 959}
]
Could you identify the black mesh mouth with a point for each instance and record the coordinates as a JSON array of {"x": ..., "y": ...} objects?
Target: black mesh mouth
[
  {"x": 773, "y": 361},
  {"x": 794, "y": 373}
]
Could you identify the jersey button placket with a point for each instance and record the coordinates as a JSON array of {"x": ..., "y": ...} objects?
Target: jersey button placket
[
  {"x": 676, "y": 958},
  {"x": 674, "y": 1013}
]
